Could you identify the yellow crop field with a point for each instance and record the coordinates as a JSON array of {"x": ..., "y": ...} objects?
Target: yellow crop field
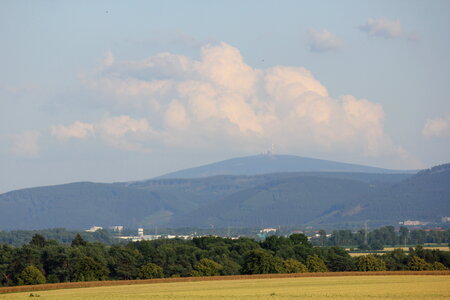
[
  {"x": 396, "y": 287},
  {"x": 442, "y": 248}
]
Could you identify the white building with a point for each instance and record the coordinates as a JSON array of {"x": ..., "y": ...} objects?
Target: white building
[
  {"x": 268, "y": 230},
  {"x": 94, "y": 229},
  {"x": 117, "y": 228},
  {"x": 413, "y": 223}
]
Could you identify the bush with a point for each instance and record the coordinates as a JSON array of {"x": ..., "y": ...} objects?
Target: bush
[
  {"x": 418, "y": 264},
  {"x": 370, "y": 263},
  {"x": 31, "y": 275},
  {"x": 294, "y": 266},
  {"x": 150, "y": 270},
  {"x": 437, "y": 266},
  {"x": 207, "y": 267},
  {"x": 315, "y": 264}
]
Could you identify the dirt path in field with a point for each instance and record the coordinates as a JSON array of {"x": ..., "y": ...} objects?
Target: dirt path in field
[{"x": 68, "y": 285}]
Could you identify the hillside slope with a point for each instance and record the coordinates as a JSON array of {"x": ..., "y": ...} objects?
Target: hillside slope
[
  {"x": 425, "y": 196},
  {"x": 318, "y": 200},
  {"x": 146, "y": 203},
  {"x": 297, "y": 200}
]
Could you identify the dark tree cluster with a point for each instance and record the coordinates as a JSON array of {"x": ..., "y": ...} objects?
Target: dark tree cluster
[
  {"x": 21, "y": 237},
  {"x": 43, "y": 260}
]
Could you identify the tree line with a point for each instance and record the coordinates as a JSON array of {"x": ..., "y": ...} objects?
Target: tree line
[
  {"x": 375, "y": 239},
  {"x": 43, "y": 260},
  {"x": 378, "y": 238}
]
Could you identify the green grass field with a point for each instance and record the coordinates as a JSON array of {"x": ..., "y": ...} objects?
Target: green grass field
[{"x": 352, "y": 287}]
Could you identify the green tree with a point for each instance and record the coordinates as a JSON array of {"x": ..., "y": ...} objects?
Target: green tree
[
  {"x": 88, "y": 269},
  {"x": 294, "y": 266},
  {"x": 150, "y": 270},
  {"x": 31, "y": 275},
  {"x": 6, "y": 257},
  {"x": 23, "y": 257},
  {"x": 38, "y": 241},
  {"x": 55, "y": 260},
  {"x": 338, "y": 263},
  {"x": 437, "y": 266},
  {"x": 262, "y": 262},
  {"x": 396, "y": 260},
  {"x": 418, "y": 264},
  {"x": 124, "y": 262},
  {"x": 315, "y": 264},
  {"x": 207, "y": 267},
  {"x": 78, "y": 241},
  {"x": 370, "y": 263},
  {"x": 300, "y": 239},
  {"x": 230, "y": 267}
]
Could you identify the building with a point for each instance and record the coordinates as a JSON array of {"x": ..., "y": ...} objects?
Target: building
[
  {"x": 94, "y": 229},
  {"x": 116, "y": 228},
  {"x": 268, "y": 230},
  {"x": 413, "y": 223}
]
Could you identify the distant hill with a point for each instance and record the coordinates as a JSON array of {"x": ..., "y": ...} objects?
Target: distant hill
[
  {"x": 285, "y": 198},
  {"x": 83, "y": 204},
  {"x": 268, "y": 163},
  {"x": 310, "y": 199}
]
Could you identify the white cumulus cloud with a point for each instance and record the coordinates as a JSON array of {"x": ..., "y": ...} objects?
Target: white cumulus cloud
[
  {"x": 438, "y": 127},
  {"x": 26, "y": 143},
  {"x": 323, "y": 40},
  {"x": 220, "y": 101}
]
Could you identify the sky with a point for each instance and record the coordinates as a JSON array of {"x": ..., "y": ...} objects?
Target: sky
[{"x": 111, "y": 91}]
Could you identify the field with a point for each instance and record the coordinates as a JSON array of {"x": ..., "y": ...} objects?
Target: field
[{"x": 396, "y": 287}]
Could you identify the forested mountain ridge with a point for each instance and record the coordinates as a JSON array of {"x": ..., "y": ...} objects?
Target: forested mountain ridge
[
  {"x": 295, "y": 198},
  {"x": 313, "y": 200}
]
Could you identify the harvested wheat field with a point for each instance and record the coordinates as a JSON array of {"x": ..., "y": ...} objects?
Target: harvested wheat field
[{"x": 345, "y": 287}]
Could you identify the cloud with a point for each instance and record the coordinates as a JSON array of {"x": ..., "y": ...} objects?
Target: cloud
[
  {"x": 388, "y": 29},
  {"x": 176, "y": 117},
  {"x": 218, "y": 101},
  {"x": 78, "y": 130},
  {"x": 122, "y": 131},
  {"x": 109, "y": 59},
  {"x": 323, "y": 40},
  {"x": 26, "y": 143},
  {"x": 438, "y": 127}
]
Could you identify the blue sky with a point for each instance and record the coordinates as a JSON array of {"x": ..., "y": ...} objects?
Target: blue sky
[{"x": 115, "y": 91}]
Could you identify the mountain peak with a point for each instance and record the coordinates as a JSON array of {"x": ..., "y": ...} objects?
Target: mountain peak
[{"x": 272, "y": 163}]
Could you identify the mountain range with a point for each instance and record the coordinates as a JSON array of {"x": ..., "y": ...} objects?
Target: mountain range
[{"x": 256, "y": 191}]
